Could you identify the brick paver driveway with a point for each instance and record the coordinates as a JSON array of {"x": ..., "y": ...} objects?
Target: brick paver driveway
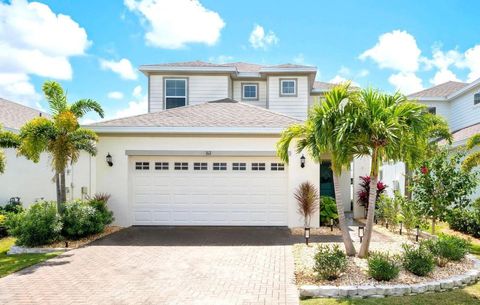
[{"x": 156, "y": 265}]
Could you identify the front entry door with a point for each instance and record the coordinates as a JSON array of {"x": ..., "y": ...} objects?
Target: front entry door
[{"x": 326, "y": 180}]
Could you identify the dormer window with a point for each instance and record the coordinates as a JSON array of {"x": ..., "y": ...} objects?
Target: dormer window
[
  {"x": 250, "y": 92},
  {"x": 175, "y": 92},
  {"x": 476, "y": 98},
  {"x": 288, "y": 87}
]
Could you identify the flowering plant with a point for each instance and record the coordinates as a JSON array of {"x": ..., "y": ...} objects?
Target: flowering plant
[{"x": 365, "y": 190}]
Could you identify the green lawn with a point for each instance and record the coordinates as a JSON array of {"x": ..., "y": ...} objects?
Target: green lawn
[{"x": 12, "y": 263}]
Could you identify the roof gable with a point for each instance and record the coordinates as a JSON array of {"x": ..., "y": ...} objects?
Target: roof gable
[{"x": 224, "y": 113}]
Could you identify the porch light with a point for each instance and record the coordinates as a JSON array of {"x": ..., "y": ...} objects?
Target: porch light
[
  {"x": 331, "y": 224},
  {"x": 360, "y": 232},
  {"x": 417, "y": 234},
  {"x": 401, "y": 227},
  {"x": 307, "y": 235},
  {"x": 109, "y": 159},
  {"x": 302, "y": 161}
]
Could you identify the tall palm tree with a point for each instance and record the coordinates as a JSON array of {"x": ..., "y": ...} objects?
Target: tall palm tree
[
  {"x": 319, "y": 135},
  {"x": 388, "y": 128},
  {"x": 7, "y": 140},
  {"x": 473, "y": 159},
  {"x": 61, "y": 137}
]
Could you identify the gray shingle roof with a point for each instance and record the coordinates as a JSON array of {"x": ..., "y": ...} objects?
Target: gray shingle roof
[
  {"x": 226, "y": 113},
  {"x": 327, "y": 86},
  {"x": 442, "y": 90},
  {"x": 239, "y": 66},
  {"x": 14, "y": 115}
]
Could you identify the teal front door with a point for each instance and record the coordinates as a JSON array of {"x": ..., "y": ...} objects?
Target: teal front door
[{"x": 326, "y": 180}]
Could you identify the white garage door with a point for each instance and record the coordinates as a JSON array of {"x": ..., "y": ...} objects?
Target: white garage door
[{"x": 212, "y": 190}]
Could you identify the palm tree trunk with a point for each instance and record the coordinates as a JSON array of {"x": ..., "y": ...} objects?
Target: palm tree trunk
[
  {"x": 64, "y": 187},
  {"x": 59, "y": 191},
  {"x": 372, "y": 198},
  {"x": 347, "y": 240}
]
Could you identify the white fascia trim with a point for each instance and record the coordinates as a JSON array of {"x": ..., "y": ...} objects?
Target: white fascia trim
[
  {"x": 184, "y": 130},
  {"x": 224, "y": 153},
  {"x": 186, "y": 69},
  {"x": 312, "y": 69},
  {"x": 248, "y": 74}
]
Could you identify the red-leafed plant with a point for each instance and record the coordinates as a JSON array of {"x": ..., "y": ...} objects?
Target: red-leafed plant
[{"x": 365, "y": 190}]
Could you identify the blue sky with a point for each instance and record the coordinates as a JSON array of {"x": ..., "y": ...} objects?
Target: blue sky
[{"x": 94, "y": 47}]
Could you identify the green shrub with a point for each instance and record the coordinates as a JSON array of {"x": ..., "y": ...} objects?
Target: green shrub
[
  {"x": 3, "y": 228},
  {"x": 38, "y": 225},
  {"x": 382, "y": 266},
  {"x": 12, "y": 207},
  {"x": 81, "y": 219},
  {"x": 330, "y": 262},
  {"x": 99, "y": 202},
  {"x": 389, "y": 209},
  {"x": 418, "y": 259},
  {"x": 448, "y": 248},
  {"x": 328, "y": 210},
  {"x": 466, "y": 221}
]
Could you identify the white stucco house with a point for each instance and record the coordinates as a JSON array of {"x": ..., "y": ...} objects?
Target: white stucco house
[
  {"x": 33, "y": 181},
  {"x": 205, "y": 153},
  {"x": 459, "y": 104}
]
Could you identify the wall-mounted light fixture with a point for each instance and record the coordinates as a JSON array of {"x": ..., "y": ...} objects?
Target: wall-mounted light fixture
[
  {"x": 307, "y": 235},
  {"x": 360, "y": 233},
  {"x": 109, "y": 159},
  {"x": 302, "y": 161}
]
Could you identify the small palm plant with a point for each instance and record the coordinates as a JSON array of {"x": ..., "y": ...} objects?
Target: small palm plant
[
  {"x": 61, "y": 137},
  {"x": 7, "y": 140},
  {"x": 307, "y": 200},
  {"x": 472, "y": 160}
]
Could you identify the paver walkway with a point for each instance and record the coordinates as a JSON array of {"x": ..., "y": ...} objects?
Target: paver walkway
[{"x": 155, "y": 265}]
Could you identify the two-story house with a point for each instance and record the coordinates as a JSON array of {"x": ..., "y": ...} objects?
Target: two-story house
[
  {"x": 205, "y": 153},
  {"x": 459, "y": 104}
]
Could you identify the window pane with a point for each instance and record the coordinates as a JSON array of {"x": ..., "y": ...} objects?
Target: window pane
[
  {"x": 173, "y": 102},
  {"x": 288, "y": 87},
  {"x": 250, "y": 91},
  {"x": 175, "y": 87}
]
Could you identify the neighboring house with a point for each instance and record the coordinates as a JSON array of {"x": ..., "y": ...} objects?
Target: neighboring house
[
  {"x": 33, "y": 181},
  {"x": 459, "y": 104},
  {"x": 205, "y": 154}
]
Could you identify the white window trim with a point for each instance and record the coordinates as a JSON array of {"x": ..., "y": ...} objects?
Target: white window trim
[
  {"x": 294, "y": 87},
  {"x": 256, "y": 92},
  {"x": 185, "y": 79}
]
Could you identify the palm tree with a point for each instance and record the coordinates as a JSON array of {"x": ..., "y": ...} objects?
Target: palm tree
[
  {"x": 388, "y": 128},
  {"x": 473, "y": 159},
  {"x": 319, "y": 134},
  {"x": 61, "y": 137},
  {"x": 7, "y": 140}
]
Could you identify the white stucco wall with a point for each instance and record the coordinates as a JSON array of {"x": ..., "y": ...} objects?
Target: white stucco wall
[
  {"x": 391, "y": 172},
  {"x": 361, "y": 167},
  {"x": 31, "y": 181}
]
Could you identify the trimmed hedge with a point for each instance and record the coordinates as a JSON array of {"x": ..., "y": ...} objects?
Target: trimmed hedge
[{"x": 465, "y": 221}]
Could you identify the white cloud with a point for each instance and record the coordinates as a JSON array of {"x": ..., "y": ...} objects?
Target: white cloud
[
  {"x": 115, "y": 95},
  {"x": 261, "y": 40},
  {"x": 443, "y": 61},
  {"x": 138, "y": 105},
  {"x": 123, "y": 67},
  {"x": 406, "y": 82},
  {"x": 338, "y": 79},
  {"x": 17, "y": 87},
  {"x": 221, "y": 59},
  {"x": 396, "y": 50},
  {"x": 174, "y": 24},
  {"x": 35, "y": 40},
  {"x": 472, "y": 62},
  {"x": 442, "y": 76}
]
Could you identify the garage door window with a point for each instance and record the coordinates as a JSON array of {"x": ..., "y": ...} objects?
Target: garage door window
[
  {"x": 219, "y": 166},
  {"x": 277, "y": 166},
  {"x": 142, "y": 165},
  {"x": 161, "y": 166},
  {"x": 181, "y": 166},
  {"x": 239, "y": 166},
  {"x": 200, "y": 166},
  {"x": 258, "y": 166}
]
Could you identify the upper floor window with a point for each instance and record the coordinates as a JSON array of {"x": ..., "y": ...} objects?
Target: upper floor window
[
  {"x": 250, "y": 91},
  {"x": 432, "y": 110},
  {"x": 476, "y": 98},
  {"x": 175, "y": 92},
  {"x": 288, "y": 87}
]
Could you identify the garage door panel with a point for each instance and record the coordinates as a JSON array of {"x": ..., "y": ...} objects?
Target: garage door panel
[{"x": 208, "y": 197}]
